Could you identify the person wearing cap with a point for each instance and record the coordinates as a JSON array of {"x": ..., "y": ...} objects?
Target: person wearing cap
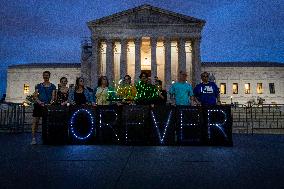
[
  {"x": 207, "y": 92},
  {"x": 182, "y": 91}
]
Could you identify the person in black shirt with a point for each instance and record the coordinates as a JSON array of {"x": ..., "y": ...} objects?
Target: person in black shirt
[
  {"x": 80, "y": 95},
  {"x": 62, "y": 92},
  {"x": 162, "y": 99}
]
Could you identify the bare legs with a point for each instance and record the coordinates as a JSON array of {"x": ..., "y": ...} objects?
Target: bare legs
[{"x": 34, "y": 129}]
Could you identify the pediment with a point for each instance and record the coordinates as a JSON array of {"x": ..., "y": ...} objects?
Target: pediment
[{"x": 145, "y": 14}]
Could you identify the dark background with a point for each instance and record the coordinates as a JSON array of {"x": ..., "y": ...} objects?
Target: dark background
[{"x": 33, "y": 31}]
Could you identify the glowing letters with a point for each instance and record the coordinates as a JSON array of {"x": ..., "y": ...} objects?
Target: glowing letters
[{"x": 73, "y": 118}]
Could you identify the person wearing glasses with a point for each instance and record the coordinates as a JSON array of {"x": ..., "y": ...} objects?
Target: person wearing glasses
[
  {"x": 206, "y": 92},
  {"x": 126, "y": 91},
  {"x": 44, "y": 94},
  {"x": 80, "y": 95},
  {"x": 181, "y": 91}
]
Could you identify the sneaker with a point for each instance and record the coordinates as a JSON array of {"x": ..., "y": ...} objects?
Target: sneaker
[{"x": 33, "y": 142}]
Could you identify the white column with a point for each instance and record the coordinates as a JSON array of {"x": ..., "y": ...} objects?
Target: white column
[
  {"x": 196, "y": 61},
  {"x": 123, "y": 58},
  {"x": 168, "y": 80},
  {"x": 181, "y": 55},
  {"x": 110, "y": 61},
  {"x": 153, "y": 58},
  {"x": 94, "y": 63},
  {"x": 137, "y": 43}
]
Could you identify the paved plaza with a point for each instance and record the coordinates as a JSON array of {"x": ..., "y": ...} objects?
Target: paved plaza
[{"x": 255, "y": 161}]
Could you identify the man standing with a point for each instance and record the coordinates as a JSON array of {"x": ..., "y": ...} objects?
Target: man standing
[
  {"x": 146, "y": 92},
  {"x": 44, "y": 94},
  {"x": 182, "y": 91},
  {"x": 207, "y": 93}
]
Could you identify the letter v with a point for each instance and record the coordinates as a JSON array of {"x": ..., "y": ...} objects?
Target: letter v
[{"x": 161, "y": 138}]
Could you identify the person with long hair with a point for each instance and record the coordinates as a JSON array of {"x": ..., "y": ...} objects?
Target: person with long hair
[
  {"x": 80, "y": 95},
  {"x": 62, "y": 92},
  {"x": 103, "y": 94}
]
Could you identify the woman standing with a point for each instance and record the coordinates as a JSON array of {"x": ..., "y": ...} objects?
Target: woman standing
[
  {"x": 101, "y": 93},
  {"x": 80, "y": 95},
  {"x": 126, "y": 91},
  {"x": 62, "y": 93}
]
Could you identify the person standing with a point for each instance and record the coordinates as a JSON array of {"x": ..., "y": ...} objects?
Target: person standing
[
  {"x": 62, "y": 92},
  {"x": 206, "y": 92},
  {"x": 44, "y": 94},
  {"x": 182, "y": 91},
  {"x": 147, "y": 93},
  {"x": 126, "y": 91},
  {"x": 80, "y": 95},
  {"x": 162, "y": 100},
  {"x": 104, "y": 94}
]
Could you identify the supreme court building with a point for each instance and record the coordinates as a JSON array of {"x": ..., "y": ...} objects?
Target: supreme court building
[
  {"x": 144, "y": 38},
  {"x": 161, "y": 43}
]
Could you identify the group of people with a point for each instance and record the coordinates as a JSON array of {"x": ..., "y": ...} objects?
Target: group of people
[{"x": 142, "y": 93}]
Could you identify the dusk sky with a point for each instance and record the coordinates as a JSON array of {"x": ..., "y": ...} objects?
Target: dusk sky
[{"x": 51, "y": 31}]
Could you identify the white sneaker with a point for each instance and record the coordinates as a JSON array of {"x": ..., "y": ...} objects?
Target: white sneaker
[{"x": 33, "y": 141}]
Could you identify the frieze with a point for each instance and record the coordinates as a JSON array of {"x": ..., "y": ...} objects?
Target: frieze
[
  {"x": 146, "y": 16},
  {"x": 142, "y": 31}
]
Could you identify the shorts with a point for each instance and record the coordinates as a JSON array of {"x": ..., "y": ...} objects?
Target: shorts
[{"x": 38, "y": 110}]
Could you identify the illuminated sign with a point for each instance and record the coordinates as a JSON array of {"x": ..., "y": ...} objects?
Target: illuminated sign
[
  {"x": 75, "y": 124},
  {"x": 108, "y": 121},
  {"x": 161, "y": 125}
]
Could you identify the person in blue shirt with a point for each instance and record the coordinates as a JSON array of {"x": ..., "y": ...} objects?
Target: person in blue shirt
[
  {"x": 207, "y": 93},
  {"x": 182, "y": 91},
  {"x": 44, "y": 94}
]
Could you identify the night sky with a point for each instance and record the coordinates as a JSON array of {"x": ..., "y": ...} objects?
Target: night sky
[{"x": 51, "y": 31}]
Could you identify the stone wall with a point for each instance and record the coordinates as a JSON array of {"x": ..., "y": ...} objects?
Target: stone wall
[
  {"x": 252, "y": 75},
  {"x": 17, "y": 77}
]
